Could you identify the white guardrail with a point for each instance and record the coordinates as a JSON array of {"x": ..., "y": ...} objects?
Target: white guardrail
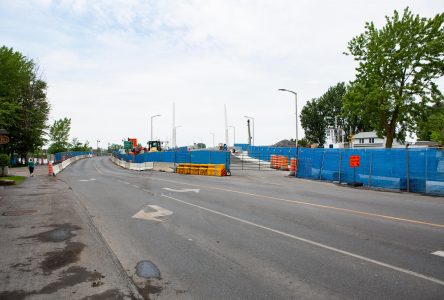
[{"x": 60, "y": 167}]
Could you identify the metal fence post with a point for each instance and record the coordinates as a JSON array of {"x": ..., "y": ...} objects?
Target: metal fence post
[
  {"x": 340, "y": 165},
  {"x": 407, "y": 156},
  {"x": 322, "y": 165},
  {"x": 371, "y": 170}
]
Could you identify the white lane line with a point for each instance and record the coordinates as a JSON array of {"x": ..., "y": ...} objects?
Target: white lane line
[
  {"x": 439, "y": 253},
  {"x": 126, "y": 182},
  {"x": 345, "y": 210},
  {"x": 357, "y": 256},
  {"x": 136, "y": 186},
  {"x": 182, "y": 190}
]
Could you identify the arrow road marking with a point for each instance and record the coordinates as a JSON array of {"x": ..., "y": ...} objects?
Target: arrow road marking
[
  {"x": 91, "y": 179},
  {"x": 182, "y": 190},
  {"x": 439, "y": 253},
  {"x": 153, "y": 215}
]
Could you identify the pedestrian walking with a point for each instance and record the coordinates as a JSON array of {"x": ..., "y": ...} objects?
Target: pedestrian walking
[{"x": 31, "y": 167}]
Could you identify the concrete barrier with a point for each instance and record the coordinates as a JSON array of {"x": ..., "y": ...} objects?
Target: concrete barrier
[
  {"x": 60, "y": 167},
  {"x": 155, "y": 166}
]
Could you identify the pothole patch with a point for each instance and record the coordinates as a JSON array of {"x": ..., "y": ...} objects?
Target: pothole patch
[{"x": 146, "y": 269}]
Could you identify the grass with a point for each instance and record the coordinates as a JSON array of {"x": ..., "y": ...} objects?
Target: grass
[{"x": 17, "y": 179}]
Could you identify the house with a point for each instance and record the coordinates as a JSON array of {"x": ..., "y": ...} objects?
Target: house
[
  {"x": 334, "y": 138},
  {"x": 369, "y": 139}
]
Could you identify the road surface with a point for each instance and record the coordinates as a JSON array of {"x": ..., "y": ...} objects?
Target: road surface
[{"x": 261, "y": 235}]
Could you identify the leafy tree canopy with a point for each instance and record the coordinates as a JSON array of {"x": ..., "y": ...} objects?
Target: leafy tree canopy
[
  {"x": 59, "y": 135},
  {"x": 24, "y": 108},
  {"x": 398, "y": 67}
]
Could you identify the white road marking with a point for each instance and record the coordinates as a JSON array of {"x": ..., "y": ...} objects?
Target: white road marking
[
  {"x": 136, "y": 186},
  {"x": 320, "y": 245},
  {"x": 182, "y": 190},
  {"x": 345, "y": 210},
  {"x": 153, "y": 215},
  {"x": 126, "y": 182},
  {"x": 91, "y": 179},
  {"x": 439, "y": 253}
]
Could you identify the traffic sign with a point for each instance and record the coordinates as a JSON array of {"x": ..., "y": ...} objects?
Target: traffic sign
[
  {"x": 4, "y": 139},
  {"x": 355, "y": 161},
  {"x": 127, "y": 145}
]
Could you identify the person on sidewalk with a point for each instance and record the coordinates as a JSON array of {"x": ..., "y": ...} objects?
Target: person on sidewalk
[{"x": 31, "y": 167}]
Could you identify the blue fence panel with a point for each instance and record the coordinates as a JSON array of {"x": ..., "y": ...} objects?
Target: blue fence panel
[
  {"x": 62, "y": 156},
  {"x": 415, "y": 170}
]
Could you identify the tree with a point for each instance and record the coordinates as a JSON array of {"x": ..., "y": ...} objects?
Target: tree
[
  {"x": 24, "y": 108},
  {"x": 398, "y": 67},
  {"x": 314, "y": 122},
  {"x": 76, "y": 145},
  {"x": 59, "y": 135},
  {"x": 431, "y": 126}
]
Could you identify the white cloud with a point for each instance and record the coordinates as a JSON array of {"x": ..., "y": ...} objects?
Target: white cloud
[{"x": 111, "y": 64}]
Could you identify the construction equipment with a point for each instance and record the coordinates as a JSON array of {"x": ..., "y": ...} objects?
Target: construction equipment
[{"x": 155, "y": 146}]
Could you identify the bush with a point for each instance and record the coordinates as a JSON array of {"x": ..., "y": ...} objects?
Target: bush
[{"x": 4, "y": 160}]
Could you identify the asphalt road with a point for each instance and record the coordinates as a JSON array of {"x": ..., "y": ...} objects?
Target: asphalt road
[{"x": 261, "y": 235}]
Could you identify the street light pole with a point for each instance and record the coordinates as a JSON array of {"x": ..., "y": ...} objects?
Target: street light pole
[
  {"x": 296, "y": 111},
  {"x": 152, "y": 117},
  {"x": 175, "y": 136},
  {"x": 98, "y": 141},
  {"x": 234, "y": 134},
  {"x": 212, "y": 133},
  {"x": 253, "y": 125}
]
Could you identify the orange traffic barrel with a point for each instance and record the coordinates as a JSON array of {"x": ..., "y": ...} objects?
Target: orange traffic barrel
[{"x": 50, "y": 169}]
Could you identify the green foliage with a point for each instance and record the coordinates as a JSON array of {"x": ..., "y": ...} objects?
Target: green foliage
[
  {"x": 314, "y": 122},
  {"x": 59, "y": 135},
  {"x": 76, "y": 145},
  {"x": 24, "y": 108},
  {"x": 398, "y": 67},
  {"x": 431, "y": 126},
  {"x": 4, "y": 160}
]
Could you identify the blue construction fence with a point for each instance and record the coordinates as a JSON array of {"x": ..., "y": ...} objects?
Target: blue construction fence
[
  {"x": 62, "y": 156},
  {"x": 192, "y": 157},
  {"x": 419, "y": 170}
]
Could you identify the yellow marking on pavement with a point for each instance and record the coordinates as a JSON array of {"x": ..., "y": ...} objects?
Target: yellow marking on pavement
[
  {"x": 320, "y": 245},
  {"x": 346, "y": 210},
  {"x": 352, "y": 211}
]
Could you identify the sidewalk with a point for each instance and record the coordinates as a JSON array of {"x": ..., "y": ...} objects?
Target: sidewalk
[{"x": 49, "y": 247}]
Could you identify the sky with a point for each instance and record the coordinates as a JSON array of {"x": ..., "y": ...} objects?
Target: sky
[{"x": 111, "y": 65}]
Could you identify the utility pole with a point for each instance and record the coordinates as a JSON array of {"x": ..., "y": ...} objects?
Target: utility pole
[{"x": 249, "y": 132}]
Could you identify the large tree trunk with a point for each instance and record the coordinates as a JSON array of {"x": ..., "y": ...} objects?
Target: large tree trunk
[{"x": 389, "y": 140}]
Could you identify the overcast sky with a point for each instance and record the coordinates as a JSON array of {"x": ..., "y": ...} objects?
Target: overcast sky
[{"x": 110, "y": 65}]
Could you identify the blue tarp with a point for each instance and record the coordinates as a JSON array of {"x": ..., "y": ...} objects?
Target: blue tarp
[{"x": 62, "y": 156}]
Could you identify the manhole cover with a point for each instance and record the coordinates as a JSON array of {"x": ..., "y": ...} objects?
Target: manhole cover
[
  {"x": 14, "y": 213},
  {"x": 147, "y": 269}
]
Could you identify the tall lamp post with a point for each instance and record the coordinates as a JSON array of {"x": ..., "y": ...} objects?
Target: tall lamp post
[
  {"x": 253, "y": 125},
  {"x": 175, "y": 136},
  {"x": 152, "y": 117},
  {"x": 234, "y": 134},
  {"x": 98, "y": 141},
  {"x": 296, "y": 111},
  {"x": 212, "y": 133}
]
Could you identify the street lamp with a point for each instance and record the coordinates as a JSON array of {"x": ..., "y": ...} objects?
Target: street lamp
[
  {"x": 296, "y": 111},
  {"x": 253, "y": 125},
  {"x": 234, "y": 134},
  {"x": 174, "y": 141},
  {"x": 98, "y": 141},
  {"x": 212, "y": 133},
  {"x": 152, "y": 117}
]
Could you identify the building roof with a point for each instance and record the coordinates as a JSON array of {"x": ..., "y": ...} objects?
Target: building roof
[{"x": 365, "y": 135}]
